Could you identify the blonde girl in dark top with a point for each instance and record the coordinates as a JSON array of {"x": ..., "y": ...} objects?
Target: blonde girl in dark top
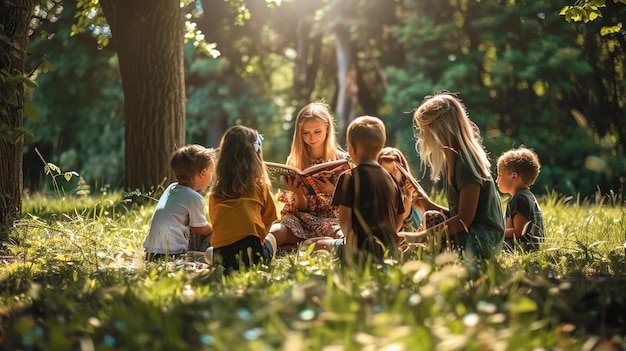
[{"x": 449, "y": 143}]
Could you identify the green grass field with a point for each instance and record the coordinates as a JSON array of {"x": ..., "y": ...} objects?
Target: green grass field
[{"x": 73, "y": 278}]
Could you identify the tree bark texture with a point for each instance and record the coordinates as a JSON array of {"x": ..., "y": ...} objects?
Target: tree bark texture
[
  {"x": 148, "y": 37},
  {"x": 14, "y": 19}
]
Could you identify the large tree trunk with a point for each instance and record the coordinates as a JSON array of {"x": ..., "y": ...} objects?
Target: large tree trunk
[
  {"x": 347, "y": 87},
  {"x": 148, "y": 37},
  {"x": 14, "y": 19}
]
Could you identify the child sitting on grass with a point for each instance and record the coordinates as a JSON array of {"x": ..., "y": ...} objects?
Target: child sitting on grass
[
  {"x": 240, "y": 204},
  {"x": 517, "y": 171},
  {"x": 181, "y": 208},
  {"x": 371, "y": 206},
  {"x": 450, "y": 144}
]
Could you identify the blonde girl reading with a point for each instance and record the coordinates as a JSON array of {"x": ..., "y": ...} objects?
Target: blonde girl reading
[
  {"x": 449, "y": 143},
  {"x": 308, "y": 216},
  {"x": 241, "y": 206}
]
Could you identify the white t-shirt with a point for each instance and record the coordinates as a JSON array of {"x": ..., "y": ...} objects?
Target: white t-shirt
[{"x": 179, "y": 208}]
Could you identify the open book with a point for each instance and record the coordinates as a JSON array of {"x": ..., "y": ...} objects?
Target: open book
[
  {"x": 330, "y": 170},
  {"x": 416, "y": 185}
]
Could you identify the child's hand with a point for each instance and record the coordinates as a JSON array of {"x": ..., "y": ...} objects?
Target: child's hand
[
  {"x": 421, "y": 200},
  {"x": 324, "y": 185},
  {"x": 408, "y": 189},
  {"x": 294, "y": 184}
]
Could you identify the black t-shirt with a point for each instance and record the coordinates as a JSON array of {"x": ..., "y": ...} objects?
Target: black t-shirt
[
  {"x": 375, "y": 204},
  {"x": 525, "y": 203}
]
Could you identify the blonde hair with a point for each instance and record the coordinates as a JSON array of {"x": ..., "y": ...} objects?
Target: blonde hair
[
  {"x": 443, "y": 123},
  {"x": 240, "y": 169},
  {"x": 190, "y": 160},
  {"x": 523, "y": 161},
  {"x": 368, "y": 133},
  {"x": 299, "y": 155}
]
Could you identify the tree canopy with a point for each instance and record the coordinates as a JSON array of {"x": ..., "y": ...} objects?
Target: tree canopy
[{"x": 527, "y": 76}]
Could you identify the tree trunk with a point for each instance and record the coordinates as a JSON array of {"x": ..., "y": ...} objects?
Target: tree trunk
[
  {"x": 347, "y": 87},
  {"x": 14, "y": 19},
  {"x": 309, "y": 49},
  {"x": 148, "y": 38}
]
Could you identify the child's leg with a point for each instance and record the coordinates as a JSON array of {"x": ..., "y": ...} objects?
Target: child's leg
[
  {"x": 248, "y": 252},
  {"x": 208, "y": 255},
  {"x": 321, "y": 243},
  {"x": 272, "y": 241},
  {"x": 431, "y": 218}
]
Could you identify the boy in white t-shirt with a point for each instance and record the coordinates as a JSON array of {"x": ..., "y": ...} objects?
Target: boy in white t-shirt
[{"x": 181, "y": 208}]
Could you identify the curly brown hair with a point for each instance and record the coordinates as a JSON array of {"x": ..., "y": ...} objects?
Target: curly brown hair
[{"x": 523, "y": 161}]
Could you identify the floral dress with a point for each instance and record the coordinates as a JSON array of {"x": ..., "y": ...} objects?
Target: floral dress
[{"x": 320, "y": 219}]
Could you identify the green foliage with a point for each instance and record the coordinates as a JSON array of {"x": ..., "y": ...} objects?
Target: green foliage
[
  {"x": 217, "y": 99},
  {"x": 11, "y": 80},
  {"x": 91, "y": 19},
  {"x": 54, "y": 171},
  {"x": 518, "y": 69},
  {"x": 590, "y": 10},
  {"x": 83, "y": 89},
  {"x": 75, "y": 278}
]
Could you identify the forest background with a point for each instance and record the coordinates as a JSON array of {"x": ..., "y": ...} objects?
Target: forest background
[{"x": 526, "y": 75}]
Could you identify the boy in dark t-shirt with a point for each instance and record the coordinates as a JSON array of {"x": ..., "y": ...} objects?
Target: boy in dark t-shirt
[
  {"x": 517, "y": 171},
  {"x": 370, "y": 203}
]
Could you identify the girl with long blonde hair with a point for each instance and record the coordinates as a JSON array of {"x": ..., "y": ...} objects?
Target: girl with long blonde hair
[
  {"x": 449, "y": 143},
  {"x": 308, "y": 216}
]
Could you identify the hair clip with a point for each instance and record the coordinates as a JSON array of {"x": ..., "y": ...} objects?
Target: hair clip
[{"x": 258, "y": 143}]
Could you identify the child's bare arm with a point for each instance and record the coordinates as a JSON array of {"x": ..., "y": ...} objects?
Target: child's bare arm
[
  {"x": 468, "y": 203},
  {"x": 515, "y": 226},
  {"x": 205, "y": 230},
  {"x": 345, "y": 222}
]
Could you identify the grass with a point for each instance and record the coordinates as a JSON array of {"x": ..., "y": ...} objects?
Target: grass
[{"x": 65, "y": 286}]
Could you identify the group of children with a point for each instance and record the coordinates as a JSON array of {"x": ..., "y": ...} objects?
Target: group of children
[{"x": 360, "y": 212}]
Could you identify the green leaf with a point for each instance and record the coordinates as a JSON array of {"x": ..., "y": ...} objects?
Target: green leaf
[
  {"x": 523, "y": 305},
  {"x": 21, "y": 78},
  {"x": 578, "y": 14},
  {"x": 48, "y": 65},
  {"x": 592, "y": 15},
  {"x": 51, "y": 167},
  {"x": 30, "y": 111},
  {"x": 610, "y": 30}
]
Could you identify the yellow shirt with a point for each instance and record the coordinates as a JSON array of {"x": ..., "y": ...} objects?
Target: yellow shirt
[{"x": 235, "y": 219}]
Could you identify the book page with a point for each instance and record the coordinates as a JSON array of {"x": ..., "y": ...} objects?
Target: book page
[
  {"x": 327, "y": 168},
  {"x": 277, "y": 172}
]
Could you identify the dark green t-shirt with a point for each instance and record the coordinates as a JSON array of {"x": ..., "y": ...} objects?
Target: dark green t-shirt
[
  {"x": 486, "y": 232},
  {"x": 525, "y": 203}
]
